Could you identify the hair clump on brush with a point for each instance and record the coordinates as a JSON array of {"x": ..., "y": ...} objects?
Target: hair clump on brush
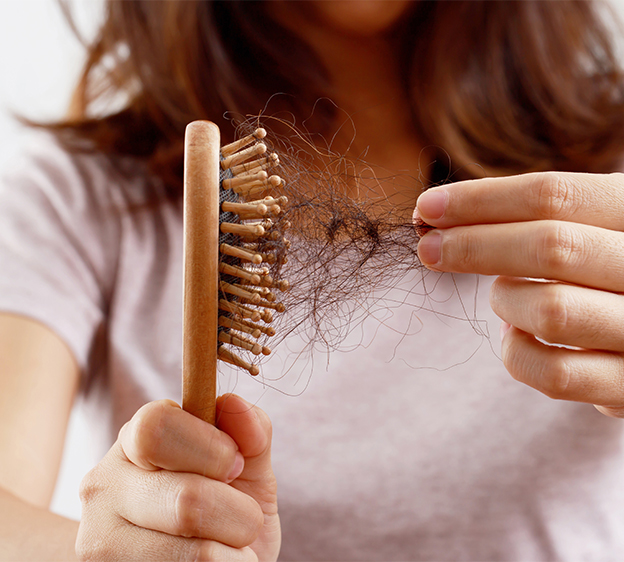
[{"x": 342, "y": 247}]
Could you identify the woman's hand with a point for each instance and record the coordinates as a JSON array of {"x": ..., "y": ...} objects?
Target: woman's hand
[
  {"x": 176, "y": 488},
  {"x": 556, "y": 240}
]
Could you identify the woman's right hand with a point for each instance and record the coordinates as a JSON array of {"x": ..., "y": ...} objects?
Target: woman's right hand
[{"x": 176, "y": 488}]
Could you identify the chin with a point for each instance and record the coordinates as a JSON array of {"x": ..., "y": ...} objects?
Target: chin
[{"x": 361, "y": 17}]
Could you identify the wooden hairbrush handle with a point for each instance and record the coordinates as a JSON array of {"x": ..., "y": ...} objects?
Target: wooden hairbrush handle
[{"x": 201, "y": 269}]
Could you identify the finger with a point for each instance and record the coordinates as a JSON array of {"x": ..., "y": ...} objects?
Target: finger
[
  {"x": 575, "y": 253},
  {"x": 593, "y": 199},
  {"x": 594, "y": 377},
  {"x": 129, "y": 542},
  {"x": 250, "y": 427},
  {"x": 163, "y": 436},
  {"x": 189, "y": 505},
  {"x": 560, "y": 313}
]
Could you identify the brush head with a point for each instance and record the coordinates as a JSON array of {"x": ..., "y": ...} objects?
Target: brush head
[{"x": 252, "y": 249}]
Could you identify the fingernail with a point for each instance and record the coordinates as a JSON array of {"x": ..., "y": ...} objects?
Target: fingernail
[
  {"x": 239, "y": 464},
  {"x": 504, "y": 328},
  {"x": 432, "y": 204},
  {"x": 430, "y": 248},
  {"x": 415, "y": 216}
]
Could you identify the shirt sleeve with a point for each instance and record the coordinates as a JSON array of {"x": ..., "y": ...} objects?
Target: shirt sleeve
[{"x": 58, "y": 242}]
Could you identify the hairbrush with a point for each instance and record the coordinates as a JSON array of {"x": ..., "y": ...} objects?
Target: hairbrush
[{"x": 234, "y": 246}]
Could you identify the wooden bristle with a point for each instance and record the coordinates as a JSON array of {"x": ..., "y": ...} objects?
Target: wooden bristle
[
  {"x": 251, "y": 167},
  {"x": 232, "y": 183},
  {"x": 252, "y": 277},
  {"x": 246, "y": 343},
  {"x": 254, "y": 229},
  {"x": 263, "y": 292},
  {"x": 268, "y": 201},
  {"x": 267, "y": 330},
  {"x": 256, "y": 165},
  {"x": 239, "y": 341},
  {"x": 277, "y": 306},
  {"x": 235, "y": 146},
  {"x": 246, "y": 188},
  {"x": 240, "y": 310},
  {"x": 268, "y": 281},
  {"x": 266, "y": 350},
  {"x": 254, "y": 186},
  {"x": 274, "y": 204},
  {"x": 275, "y": 181},
  {"x": 254, "y": 191},
  {"x": 248, "y": 328},
  {"x": 239, "y": 157},
  {"x": 245, "y": 210},
  {"x": 268, "y": 258},
  {"x": 275, "y": 236},
  {"x": 238, "y": 291},
  {"x": 266, "y": 224},
  {"x": 241, "y": 253},
  {"x": 266, "y": 316},
  {"x": 233, "y": 359}
]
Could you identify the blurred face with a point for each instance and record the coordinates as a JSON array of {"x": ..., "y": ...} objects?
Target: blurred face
[
  {"x": 360, "y": 17},
  {"x": 357, "y": 18}
]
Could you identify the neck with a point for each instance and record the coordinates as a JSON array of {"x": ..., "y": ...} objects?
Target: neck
[{"x": 374, "y": 119}]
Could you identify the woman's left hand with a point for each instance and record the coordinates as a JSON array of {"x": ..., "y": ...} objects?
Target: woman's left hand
[{"x": 557, "y": 242}]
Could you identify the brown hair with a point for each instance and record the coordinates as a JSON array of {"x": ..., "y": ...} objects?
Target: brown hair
[{"x": 513, "y": 86}]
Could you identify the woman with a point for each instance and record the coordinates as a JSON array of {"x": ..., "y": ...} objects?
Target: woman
[{"x": 375, "y": 460}]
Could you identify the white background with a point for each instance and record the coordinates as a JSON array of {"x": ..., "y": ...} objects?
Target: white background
[{"x": 39, "y": 63}]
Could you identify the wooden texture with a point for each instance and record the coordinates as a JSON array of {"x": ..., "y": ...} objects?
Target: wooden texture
[{"x": 201, "y": 269}]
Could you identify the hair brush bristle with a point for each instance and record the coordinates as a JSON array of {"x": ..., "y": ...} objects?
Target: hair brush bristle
[{"x": 251, "y": 234}]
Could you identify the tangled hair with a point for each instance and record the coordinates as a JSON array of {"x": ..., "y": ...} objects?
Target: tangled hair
[
  {"x": 344, "y": 245},
  {"x": 514, "y": 86}
]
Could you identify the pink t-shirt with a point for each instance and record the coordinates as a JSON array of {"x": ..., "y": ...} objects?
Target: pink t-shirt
[{"x": 411, "y": 444}]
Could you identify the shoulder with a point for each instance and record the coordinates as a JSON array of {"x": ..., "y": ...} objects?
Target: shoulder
[{"x": 79, "y": 179}]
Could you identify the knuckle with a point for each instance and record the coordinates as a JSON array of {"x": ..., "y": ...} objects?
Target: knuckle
[
  {"x": 556, "y": 195},
  {"x": 147, "y": 431},
  {"x": 553, "y": 378},
  {"x": 558, "y": 247},
  {"x": 190, "y": 503},
  {"x": 91, "y": 486},
  {"x": 555, "y": 383},
  {"x": 552, "y": 314}
]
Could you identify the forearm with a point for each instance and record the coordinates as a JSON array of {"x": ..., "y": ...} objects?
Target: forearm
[{"x": 31, "y": 533}]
